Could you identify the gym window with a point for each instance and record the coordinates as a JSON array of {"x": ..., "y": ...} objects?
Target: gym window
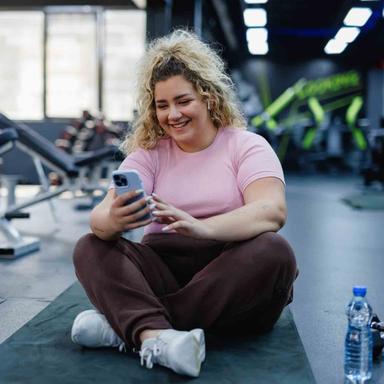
[
  {"x": 71, "y": 69},
  {"x": 62, "y": 60},
  {"x": 21, "y": 64}
]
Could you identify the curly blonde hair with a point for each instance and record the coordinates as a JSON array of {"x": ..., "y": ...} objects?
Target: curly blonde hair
[{"x": 181, "y": 53}]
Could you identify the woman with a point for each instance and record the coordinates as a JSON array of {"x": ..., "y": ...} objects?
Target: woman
[{"x": 210, "y": 258}]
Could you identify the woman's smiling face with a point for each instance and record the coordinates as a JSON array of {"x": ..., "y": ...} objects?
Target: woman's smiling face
[{"x": 183, "y": 114}]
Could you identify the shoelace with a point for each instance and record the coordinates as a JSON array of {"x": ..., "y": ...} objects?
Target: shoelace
[{"x": 149, "y": 355}]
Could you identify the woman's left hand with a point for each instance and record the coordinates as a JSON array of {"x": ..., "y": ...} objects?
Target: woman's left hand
[{"x": 178, "y": 220}]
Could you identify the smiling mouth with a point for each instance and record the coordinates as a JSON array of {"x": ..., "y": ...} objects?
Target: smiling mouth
[{"x": 179, "y": 125}]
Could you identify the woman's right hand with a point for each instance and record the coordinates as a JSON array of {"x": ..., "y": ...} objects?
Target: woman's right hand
[{"x": 125, "y": 217}]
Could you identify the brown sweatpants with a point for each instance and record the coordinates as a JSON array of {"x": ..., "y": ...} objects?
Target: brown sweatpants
[{"x": 174, "y": 281}]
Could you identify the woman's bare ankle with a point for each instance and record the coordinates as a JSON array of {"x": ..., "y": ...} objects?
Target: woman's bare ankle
[{"x": 149, "y": 333}]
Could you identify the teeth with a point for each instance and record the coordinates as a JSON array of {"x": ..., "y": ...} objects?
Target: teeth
[{"x": 179, "y": 125}]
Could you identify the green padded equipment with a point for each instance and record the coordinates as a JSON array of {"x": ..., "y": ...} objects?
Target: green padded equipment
[
  {"x": 41, "y": 352},
  {"x": 277, "y": 106},
  {"x": 351, "y": 118},
  {"x": 318, "y": 114}
]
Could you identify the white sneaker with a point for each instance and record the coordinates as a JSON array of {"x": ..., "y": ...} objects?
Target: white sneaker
[
  {"x": 91, "y": 329},
  {"x": 181, "y": 351}
]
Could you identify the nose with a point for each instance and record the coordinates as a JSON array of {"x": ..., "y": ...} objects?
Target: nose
[{"x": 174, "y": 113}]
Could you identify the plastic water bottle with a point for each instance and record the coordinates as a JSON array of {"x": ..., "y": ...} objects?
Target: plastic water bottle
[{"x": 358, "y": 341}]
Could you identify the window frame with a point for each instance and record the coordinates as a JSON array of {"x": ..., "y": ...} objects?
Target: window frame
[{"x": 99, "y": 12}]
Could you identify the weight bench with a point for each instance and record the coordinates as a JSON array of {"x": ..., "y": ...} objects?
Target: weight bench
[{"x": 78, "y": 173}]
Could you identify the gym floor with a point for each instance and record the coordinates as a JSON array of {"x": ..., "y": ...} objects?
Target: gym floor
[{"x": 336, "y": 247}]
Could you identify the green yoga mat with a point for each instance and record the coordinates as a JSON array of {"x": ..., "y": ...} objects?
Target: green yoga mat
[{"x": 41, "y": 352}]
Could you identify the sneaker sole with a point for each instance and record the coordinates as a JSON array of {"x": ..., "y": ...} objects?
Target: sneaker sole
[
  {"x": 190, "y": 348},
  {"x": 198, "y": 334}
]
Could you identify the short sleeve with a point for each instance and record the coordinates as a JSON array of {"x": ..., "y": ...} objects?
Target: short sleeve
[
  {"x": 255, "y": 160},
  {"x": 143, "y": 162}
]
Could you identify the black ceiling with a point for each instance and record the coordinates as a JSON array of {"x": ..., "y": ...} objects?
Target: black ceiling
[
  {"x": 297, "y": 29},
  {"x": 300, "y": 29}
]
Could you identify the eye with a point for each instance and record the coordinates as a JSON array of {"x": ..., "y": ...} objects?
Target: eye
[
  {"x": 161, "y": 106},
  {"x": 185, "y": 102}
]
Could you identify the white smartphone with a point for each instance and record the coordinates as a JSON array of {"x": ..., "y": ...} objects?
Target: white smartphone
[{"x": 129, "y": 180}]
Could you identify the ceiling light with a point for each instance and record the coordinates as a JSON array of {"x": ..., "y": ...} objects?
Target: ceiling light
[
  {"x": 255, "y": 17},
  {"x": 257, "y": 35},
  {"x": 258, "y": 1},
  {"x": 335, "y": 47},
  {"x": 347, "y": 34},
  {"x": 258, "y": 49},
  {"x": 142, "y": 4},
  {"x": 357, "y": 17}
]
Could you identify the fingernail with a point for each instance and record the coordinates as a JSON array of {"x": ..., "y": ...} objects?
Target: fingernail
[
  {"x": 154, "y": 194},
  {"x": 139, "y": 191},
  {"x": 155, "y": 212},
  {"x": 148, "y": 198},
  {"x": 152, "y": 206},
  {"x": 166, "y": 228}
]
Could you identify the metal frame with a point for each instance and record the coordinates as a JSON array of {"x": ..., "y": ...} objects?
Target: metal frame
[
  {"x": 86, "y": 181},
  {"x": 15, "y": 245}
]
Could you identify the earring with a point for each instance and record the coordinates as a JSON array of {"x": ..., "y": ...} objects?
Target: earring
[{"x": 208, "y": 105}]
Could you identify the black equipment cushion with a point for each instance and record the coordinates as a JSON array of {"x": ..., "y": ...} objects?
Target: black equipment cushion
[{"x": 91, "y": 157}]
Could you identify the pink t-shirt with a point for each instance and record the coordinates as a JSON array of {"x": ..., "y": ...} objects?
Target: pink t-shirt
[{"x": 208, "y": 182}]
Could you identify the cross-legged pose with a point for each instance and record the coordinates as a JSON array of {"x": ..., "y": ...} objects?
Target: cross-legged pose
[{"x": 210, "y": 258}]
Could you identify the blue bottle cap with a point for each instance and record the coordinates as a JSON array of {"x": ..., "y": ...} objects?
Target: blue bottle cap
[{"x": 359, "y": 291}]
